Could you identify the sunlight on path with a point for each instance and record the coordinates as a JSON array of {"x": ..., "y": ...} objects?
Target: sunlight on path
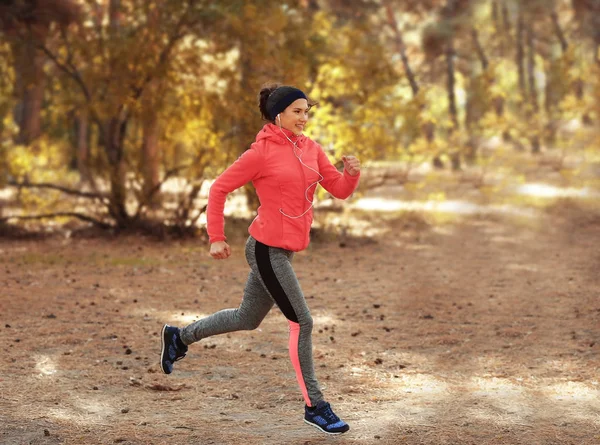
[
  {"x": 45, "y": 365},
  {"x": 572, "y": 402},
  {"x": 421, "y": 384},
  {"x": 500, "y": 401},
  {"x": 549, "y": 191},
  {"x": 412, "y": 401},
  {"x": 86, "y": 411},
  {"x": 573, "y": 391},
  {"x": 453, "y": 207},
  {"x": 575, "y": 401},
  {"x": 420, "y": 400},
  {"x": 462, "y": 207}
]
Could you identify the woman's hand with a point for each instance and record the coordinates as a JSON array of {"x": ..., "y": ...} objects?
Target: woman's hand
[
  {"x": 220, "y": 250},
  {"x": 351, "y": 164}
]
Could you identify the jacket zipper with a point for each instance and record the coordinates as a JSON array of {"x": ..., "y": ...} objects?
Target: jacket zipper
[{"x": 304, "y": 217}]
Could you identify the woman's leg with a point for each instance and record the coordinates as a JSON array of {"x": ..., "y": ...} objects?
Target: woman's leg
[
  {"x": 276, "y": 273},
  {"x": 254, "y": 308}
]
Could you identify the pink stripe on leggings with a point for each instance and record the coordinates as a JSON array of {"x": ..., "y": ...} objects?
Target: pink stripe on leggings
[{"x": 294, "y": 339}]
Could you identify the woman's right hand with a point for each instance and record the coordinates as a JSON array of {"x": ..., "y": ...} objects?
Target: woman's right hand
[{"x": 220, "y": 250}]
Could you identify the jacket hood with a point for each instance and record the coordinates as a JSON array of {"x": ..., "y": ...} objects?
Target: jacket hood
[{"x": 274, "y": 133}]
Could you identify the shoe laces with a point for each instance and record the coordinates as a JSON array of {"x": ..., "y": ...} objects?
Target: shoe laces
[
  {"x": 179, "y": 352},
  {"x": 329, "y": 414}
]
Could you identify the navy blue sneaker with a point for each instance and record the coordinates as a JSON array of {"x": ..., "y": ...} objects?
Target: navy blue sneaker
[
  {"x": 323, "y": 418},
  {"x": 172, "y": 348}
]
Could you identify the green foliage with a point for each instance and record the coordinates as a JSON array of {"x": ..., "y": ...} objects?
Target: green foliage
[
  {"x": 194, "y": 70},
  {"x": 355, "y": 87},
  {"x": 8, "y": 129}
]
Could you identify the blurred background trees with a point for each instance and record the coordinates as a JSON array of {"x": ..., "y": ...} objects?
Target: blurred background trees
[{"x": 116, "y": 112}]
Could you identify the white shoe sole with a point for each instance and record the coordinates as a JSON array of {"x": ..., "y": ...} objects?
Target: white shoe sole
[
  {"x": 322, "y": 430},
  {"x": 162, "y": 348}
]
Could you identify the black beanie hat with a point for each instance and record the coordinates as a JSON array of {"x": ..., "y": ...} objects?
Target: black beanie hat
[{"x": 281, "y": 98}]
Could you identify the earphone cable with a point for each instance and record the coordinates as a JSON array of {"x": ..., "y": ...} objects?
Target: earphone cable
[{"x": 299, "y": 157}]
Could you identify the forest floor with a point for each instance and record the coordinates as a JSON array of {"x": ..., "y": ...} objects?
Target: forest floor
[{"x": 480, "y": 330}]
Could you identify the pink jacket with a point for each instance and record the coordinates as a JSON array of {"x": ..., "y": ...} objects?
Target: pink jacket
[{"x": 281, "y": 182}]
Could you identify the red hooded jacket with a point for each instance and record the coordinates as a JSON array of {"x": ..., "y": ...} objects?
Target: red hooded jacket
[{"x": 283, "y": 185}]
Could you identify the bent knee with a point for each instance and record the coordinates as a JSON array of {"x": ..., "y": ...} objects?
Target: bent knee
[
  {"x": 250, "y": 325},
  {"x": 306, "y": 323}
]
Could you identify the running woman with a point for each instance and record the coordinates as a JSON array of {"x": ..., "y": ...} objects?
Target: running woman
[{"x": 285, "y": 167}]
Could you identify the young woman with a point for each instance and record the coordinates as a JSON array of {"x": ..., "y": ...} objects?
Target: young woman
[{"x": 285, "y": 167}]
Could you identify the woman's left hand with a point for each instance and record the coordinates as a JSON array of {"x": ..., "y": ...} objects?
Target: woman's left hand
[{"x": 352, "y": 165}]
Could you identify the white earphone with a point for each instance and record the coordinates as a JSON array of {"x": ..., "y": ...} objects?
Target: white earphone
[{"x": 299, "y": 157}]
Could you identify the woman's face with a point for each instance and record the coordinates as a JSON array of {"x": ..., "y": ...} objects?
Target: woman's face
[{"x": 294, "y": 117}]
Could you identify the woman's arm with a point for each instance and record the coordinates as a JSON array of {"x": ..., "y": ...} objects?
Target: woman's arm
[
  {"x": 245, "y": 169},
  {"x": 340, "y": 185}
]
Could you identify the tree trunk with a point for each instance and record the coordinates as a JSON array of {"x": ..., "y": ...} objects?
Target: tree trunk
[
  {"x": 114, "y": 15},
  {"x": 150, "y": 158},
  {"x": 312, "y": 7},
  {"x": 506, "y": 18},
  {"x": 502, "y": 28},
  {"x": 451, "y": 84},
  {"x": 559, "y": 32},
  {"x": 452, "y": 9},
  {"x": 247, "y": 133},
  {"x": 533, "y": 96},
  {"x": 401, "y": 48},
  {"x": 531, "y": 69},
  {"x": 552, "y": 96},
  {"x": 536, "y": 144},
  {"x": 554, "y": 91},
  {"x": 30, "y": 83},
  {"x": 114, "y": 136},
  {"x": 428, "y": 130},
  {"x": 498, "y": 103},
  {"x": 496, "y": 20},
  {"x": 455, "y": 158},
  {"x": 480, "y": 52},
  {"x": 83, "y": 147},
  {"x": 471, "y": 152},
  {"x": 579, "y": 86},
  {"x": 521, "y": 54}
]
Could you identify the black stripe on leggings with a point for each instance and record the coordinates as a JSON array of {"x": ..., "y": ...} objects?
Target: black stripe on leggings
[{"x": 265, "y": 268}]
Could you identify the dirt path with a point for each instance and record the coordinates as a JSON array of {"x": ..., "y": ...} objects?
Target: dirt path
[{"x": 483, "y": 332}]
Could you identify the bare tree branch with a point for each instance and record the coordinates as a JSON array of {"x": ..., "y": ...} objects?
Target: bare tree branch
[
  {"x": 200, "y": 212},
  {"x": 60, "y": 215},
  {"x": 177, "y": 35},
  {"x": 70, "y": 71},
  {"x": 68, "y": 191},
  {"x": 479, "y": 49},
  {"x": 559, "y": 32},
  {"x": 401, "y": 48},
  {"x": 143, "y": 203}
]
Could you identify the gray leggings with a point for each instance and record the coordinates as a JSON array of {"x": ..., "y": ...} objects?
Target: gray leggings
[{"x": 271, "y": 280}]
